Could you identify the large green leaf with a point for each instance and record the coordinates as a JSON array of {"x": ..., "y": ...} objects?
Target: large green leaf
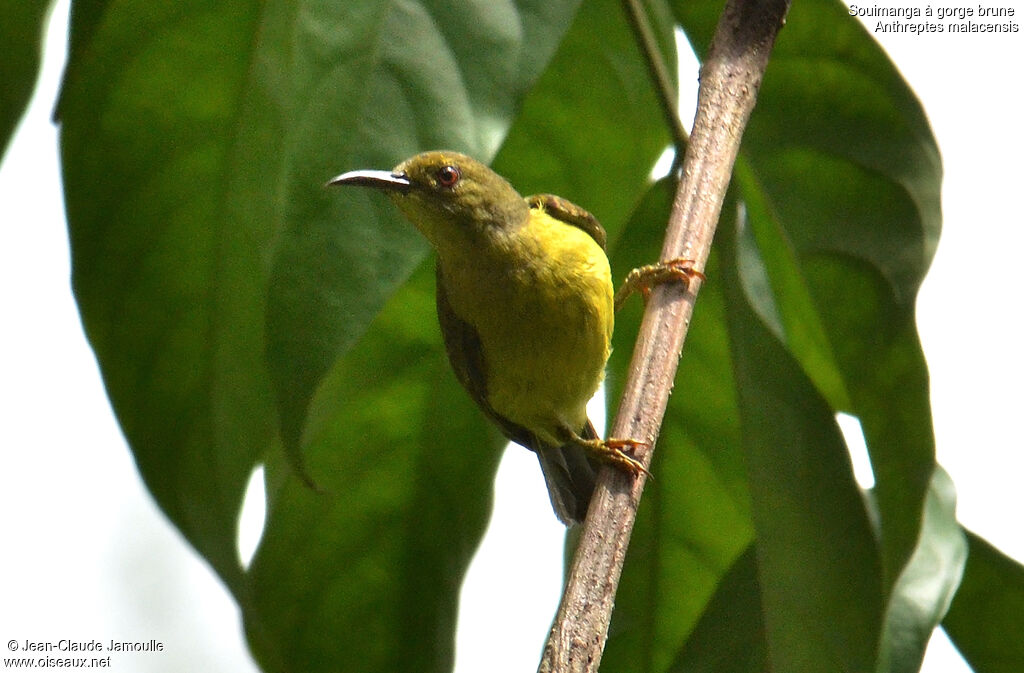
[
  {"x": 365, "y": 576},
  {"x": 694, "y": 519},
  {"x": 213, "y": 272},
  {"x": 163, "y": 183},
  {"x": 396, "y": 79},
  {"x": 986, "y": 618},
  {"x": 21, "y": 32},
  {"x": 818, "y": 563},
  {"x": 838, "y": 178},
  {"x": 730, "y": 636},
  {"x": 841, "y": 175}
]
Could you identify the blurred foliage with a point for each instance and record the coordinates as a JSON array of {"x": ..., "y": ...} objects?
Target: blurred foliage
[{"x": 21, "y": 34}]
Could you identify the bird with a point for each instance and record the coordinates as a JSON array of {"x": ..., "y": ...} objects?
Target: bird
[{"x": 526, "y": 309}]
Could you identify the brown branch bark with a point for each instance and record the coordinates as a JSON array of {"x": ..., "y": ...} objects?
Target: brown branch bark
[{"x": 730, "y": 78}]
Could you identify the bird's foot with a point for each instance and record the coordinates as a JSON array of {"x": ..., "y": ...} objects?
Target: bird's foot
[
  {"x": 643, "y": 278},
  {"x": 613, "y": 452}
]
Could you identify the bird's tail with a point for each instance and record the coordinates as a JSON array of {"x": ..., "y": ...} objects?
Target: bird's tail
[{"x": 570, "y": 474}]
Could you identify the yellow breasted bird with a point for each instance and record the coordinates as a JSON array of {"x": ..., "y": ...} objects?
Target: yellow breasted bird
[{"x": 525, "y": 305}]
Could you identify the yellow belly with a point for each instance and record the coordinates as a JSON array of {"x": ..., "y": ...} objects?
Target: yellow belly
[{"x": 541, "y": 302}]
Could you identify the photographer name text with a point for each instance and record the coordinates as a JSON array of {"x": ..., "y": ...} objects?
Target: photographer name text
[{"x": 68, "y": 645}]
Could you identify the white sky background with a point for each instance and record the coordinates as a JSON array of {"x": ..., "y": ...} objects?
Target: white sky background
[{"x": 87, "y": 554}]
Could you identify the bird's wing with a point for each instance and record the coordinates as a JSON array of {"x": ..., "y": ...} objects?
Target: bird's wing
[
  {"x": 571, "y": 214},
  {"x": 569, "y": 472},
  {"x": 462, "y": 342}
]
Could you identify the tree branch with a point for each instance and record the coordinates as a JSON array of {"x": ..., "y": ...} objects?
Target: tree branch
[
  {"x": 730, "y": 78},
  {"x": 668, "y": 97}
]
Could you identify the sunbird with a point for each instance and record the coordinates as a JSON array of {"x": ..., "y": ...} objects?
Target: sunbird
[{"x": 526, "y": 307}]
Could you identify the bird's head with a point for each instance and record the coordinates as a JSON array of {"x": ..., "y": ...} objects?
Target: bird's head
[{"x": 450, "y": 197}]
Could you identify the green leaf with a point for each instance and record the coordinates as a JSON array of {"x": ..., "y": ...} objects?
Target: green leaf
[
  {"x": 214, "y": 273},
  {"x": 925, "y": 588},
  {"x": 163, "y": 183},
  {"x": 365, "y": 576},
  {"x": 393, "y": 80},
  {"x": 818, "y": 563},
  {"x": 591, "y": 130},
  {"x": 986, "y": 618},
  {"x": 22, "y": 24},
  {"x": 694, "y": 519},
  {"x": 840, "y": 176},
  {"x": 730, "y": 636}
]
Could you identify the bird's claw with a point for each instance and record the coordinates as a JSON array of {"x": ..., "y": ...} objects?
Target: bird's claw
[
  {"x": 612, "y": 451},
  {"x": 644, "y": 278}
]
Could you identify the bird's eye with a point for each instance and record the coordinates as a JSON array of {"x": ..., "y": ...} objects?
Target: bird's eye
[{"x": 448, "y": 176}]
